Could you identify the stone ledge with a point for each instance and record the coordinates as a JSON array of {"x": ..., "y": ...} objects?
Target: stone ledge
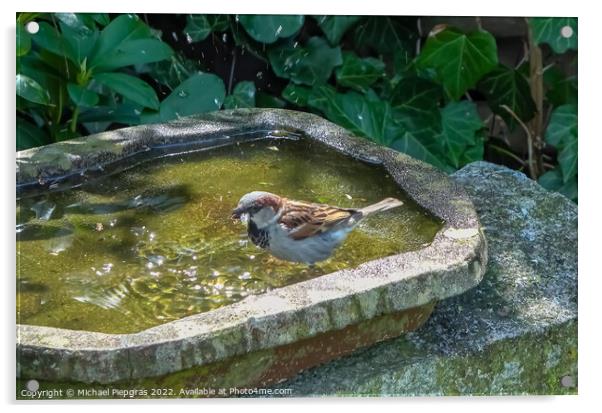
[{"x": 515, "y": 333}]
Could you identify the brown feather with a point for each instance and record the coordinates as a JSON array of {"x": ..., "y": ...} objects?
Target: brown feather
[{"x": 306, "y": 219}]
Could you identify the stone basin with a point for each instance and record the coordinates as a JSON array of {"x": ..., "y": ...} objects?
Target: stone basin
[{"x": 268, "y": 337}]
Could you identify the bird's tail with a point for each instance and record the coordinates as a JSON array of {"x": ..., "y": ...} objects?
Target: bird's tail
[{"x": 384, "y": 205}]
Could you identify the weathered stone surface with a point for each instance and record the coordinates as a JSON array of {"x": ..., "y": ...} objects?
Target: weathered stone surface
[
  {"x": 515, "y": 333},
  {"x": 450, "y": 265}
]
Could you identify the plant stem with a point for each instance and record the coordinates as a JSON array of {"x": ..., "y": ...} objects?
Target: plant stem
[
  {"x": 73, "y": 127},
  {"x": 537, "y": 93},
  {"x": 532, "y": 168}
]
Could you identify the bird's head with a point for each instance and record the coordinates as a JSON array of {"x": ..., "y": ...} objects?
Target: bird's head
[{"x": 258, "y": 206}]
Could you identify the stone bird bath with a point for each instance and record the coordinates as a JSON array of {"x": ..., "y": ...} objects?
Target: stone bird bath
[{"x": 263, "y": 338}]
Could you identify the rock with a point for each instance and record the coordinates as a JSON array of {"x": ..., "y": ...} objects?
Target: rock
[{"x": 515, "y": 333}]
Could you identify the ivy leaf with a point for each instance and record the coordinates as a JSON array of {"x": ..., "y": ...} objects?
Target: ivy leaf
[
  {"x": 134, "y": 89},
  {"x": 385, "y": 35},
  {"x": 30, "y": 136},
  {"x": 309, "y": 65},
  {"x": 297, "y": 94},
  {"x": 359, "y": 73},
  {"x": 243, "y": 96},
  {"x": 562, "y": 133},
  {"x": 358, "y": 113},
  {"x": 552, "y": 181},
  {"x": 198, "y": 27},
  {"x": 201, "y": 92},
  {"x": 559, "y": 32},
  {"x": 410, "y": 145},
  {"x": 23, "y": 40},
  {"x": 506, "y": 86},
  {"x": 416, "y": 104},
  {"x": 460, "y": 123},
  {"x": 268, "y": 29},
  {"x": 459, "y": 59},
  {"x": 561, "y": 89},
  {"x": 31, "y": 90},
  {"x": 81, "y": 96},
  {"x": 334, "y": 27}
]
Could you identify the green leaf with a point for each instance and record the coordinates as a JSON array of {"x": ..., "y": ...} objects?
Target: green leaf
[
  {"x": 296, "y": 94},
  {"x": 561, "y": 89},
  {"x": 49, "y": 39},
  {"x": 23, "y": 40},
  {"x": 117, "y": 41},
  {"x": 359, "y": 114},
  {"x": 410, "y": 145},
  {"x": 562, "y": 133},
  {"x": 268, "y": 29},
  {"x": 265, "y": 100},
  {"x": 559, "y": 32},
  {"x": 198, "y": 27},
  {"x": 126, "y": 113},
  {"x": 359, "y": 73},
  {"x": 30, "y": 136},
  {"x": 201, "y": 92},
  {"x": 243, "y": 96},
  {"x": 79, "y": 40},
  {"x": 81, "y": 96},
  {"x": 134, "y": 89},
  {"x": 459, "y": 60},
  {"x": 134, "y": 52},
  {"x": 506, "y": 86},
  {"x": 460, "y": 123},
  {"x": 416, "y": 104},
  {"x": 334, "y": 27},
  {"x": 101, "y": 18},
  {"x": 553, "y": 181},
  {"x": 172, "y": 72},
  {"x": 309, "y": 65},
  {"x": 563, "y": 125},
  {"x": 385, "y": 35},
  {"x": 31, "y": 90}
]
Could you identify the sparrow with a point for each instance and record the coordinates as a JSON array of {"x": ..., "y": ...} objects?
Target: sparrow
[{"x": 300, "y": 231}]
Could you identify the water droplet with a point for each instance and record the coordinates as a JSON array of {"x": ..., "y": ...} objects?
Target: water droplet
[
  {"x": 143, "y": 51},
  {"x": 175, "y": 36},
  {"x": 245, "y": 275},
  {"x": 188, "y": 38},
  {"x": 259, "y": 75},
  {"x": 278, "y": 30},
  {"x": 217, "y": 102},
  {"x": 182, "y": 93},
  {"x": 225, "y": 38}
]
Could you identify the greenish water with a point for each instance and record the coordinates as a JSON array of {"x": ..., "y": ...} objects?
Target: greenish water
[{"x": 156, "y": 243}]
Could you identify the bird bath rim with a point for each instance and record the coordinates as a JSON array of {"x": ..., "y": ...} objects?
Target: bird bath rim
[{"x": 454, "y": 262}]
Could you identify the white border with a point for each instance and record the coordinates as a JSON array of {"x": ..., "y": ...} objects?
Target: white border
[{"x": 590, "y": 286}]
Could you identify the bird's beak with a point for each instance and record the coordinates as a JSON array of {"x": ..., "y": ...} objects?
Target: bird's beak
[{"x": 237, "y": 213}]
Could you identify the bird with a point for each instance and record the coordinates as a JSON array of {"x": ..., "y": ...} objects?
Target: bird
[{"x": 299, "y": 231}]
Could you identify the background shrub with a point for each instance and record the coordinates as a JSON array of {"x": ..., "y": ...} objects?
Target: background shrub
[{"x": 446, "y": 97}]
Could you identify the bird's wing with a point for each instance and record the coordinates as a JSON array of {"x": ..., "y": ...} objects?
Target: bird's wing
[{"x": 302, "y": 220}]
